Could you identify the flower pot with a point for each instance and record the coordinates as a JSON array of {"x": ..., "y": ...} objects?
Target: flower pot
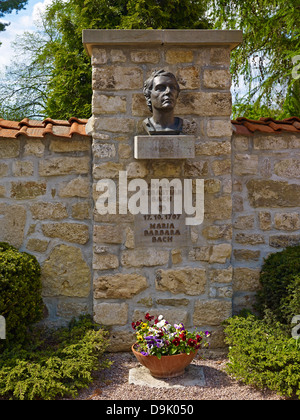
[{"x": 167, "y": 366}]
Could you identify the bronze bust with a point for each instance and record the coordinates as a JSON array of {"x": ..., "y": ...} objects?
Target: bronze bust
[{"x": 161, "y": 91}]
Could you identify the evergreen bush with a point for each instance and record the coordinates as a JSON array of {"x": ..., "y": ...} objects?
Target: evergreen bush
[
  {"x": 261, "y": 354},
  {"x": 56, "y": 363},
  {"x": 20, "y": 292},
  {"x": 280, "y": 283}
]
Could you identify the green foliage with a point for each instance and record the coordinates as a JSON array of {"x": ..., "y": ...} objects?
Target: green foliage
[
  {"x": 260, "y": 354},
  {"x": 55, "y": 78},
  {"x": 8, "y": 6},
  {"x": 56, "y": 363},
  {"x": 165, "y": 14},
  {"x": 280, "y": 284},
  {"x": 20, "y": 292},
  {"x": 264, "y": 59}
]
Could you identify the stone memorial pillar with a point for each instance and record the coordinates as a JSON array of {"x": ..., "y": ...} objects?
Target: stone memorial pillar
[{"x": 151, "y": 261}]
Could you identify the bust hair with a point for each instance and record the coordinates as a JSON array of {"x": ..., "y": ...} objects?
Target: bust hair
[{"x": 148, "y": 85}]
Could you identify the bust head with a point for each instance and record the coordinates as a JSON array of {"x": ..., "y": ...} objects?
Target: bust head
[
  {"x": 161, "y": 91},
  {"x": 151, "y": 84}
]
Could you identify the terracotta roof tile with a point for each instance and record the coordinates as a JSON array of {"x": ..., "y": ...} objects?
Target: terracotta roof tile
[
  {"x": 39, "y": 129},
  {"x": 63, "y": 128},
  {"x": 246, "y": 126}
]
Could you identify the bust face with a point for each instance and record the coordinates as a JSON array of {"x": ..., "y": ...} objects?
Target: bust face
[{"x": 164, "y": 93}]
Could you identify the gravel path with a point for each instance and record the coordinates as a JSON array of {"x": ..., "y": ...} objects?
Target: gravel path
[{"x": 112, "y": 384}]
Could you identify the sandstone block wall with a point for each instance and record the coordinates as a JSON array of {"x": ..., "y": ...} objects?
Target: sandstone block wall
[
  {"x": 266, "y": 205},
  {"x": 46, "y": 210},
  {"x": 191, "y": 281},
  {"x": 92, "y": 263}
]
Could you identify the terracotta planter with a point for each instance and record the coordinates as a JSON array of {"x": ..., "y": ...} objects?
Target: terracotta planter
[{"x": 167, "y": 366}]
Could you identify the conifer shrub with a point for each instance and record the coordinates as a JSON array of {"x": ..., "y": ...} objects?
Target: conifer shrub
[
  {"x": 263, "y": 355},
  {"x": 55, "y": 363},
  {"x": 20, "y": 292},
  {"x": 280, "y": 283}
]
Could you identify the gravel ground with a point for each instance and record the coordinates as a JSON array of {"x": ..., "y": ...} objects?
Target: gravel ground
[{"x": 112, "y": 384}]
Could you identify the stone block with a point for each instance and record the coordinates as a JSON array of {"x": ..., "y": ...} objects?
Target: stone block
[
  {"x": 137, "y": 170},
  {"x": 244, "y": 222},
  {"x": 250, "y": 239},
  {"x": 217, "y": 79},
  {"x": 23, "y": 168},
  {"x": 99, "y": 56},
  {"x": 27, "y": 190},
  {"x": 77, "y": 187},
  {"x": 9, "y": 149},
  {"x": 145, "y": 56},
  {"x": 189, "y": 77},
  {"x": 164, "y": 147},
  {"x": 288, "y": 168},
  {"x": 245, "y": 164},
  {"x": 246, "y": 280},
  {"x": 37, "y": 245},
  {"x": 12, "y": 224},
  {"x": 204, "y": 104},
  {"x": 265, "y": 221},
  {"x": 194, "y": 168},
  {"x": 287, "y": 221},
  {"x": 219, "y": 128},
  {"x": 125, "y": 151},
  {"x": 218, "y": 232},
  {"x": 105, "y": 262},
  {"x": 269, "y": 193},
  {"x": 109, "y": 314},
  {"x": 119, "y": 286},
  {"x": 166, "y": 169},
  {"x": 213, "y": 148},
  {"x": 103, "y": 150},
  {"x": 221, "y": 167},
  {"x": 114, "y": 125},
  {"x": 212, "y": 186},
  {"x": 3, "y": 170},
  {"x": 108, "y": 104},
  {"x": 70, "y": 145},
  {"x": 191, "y": 281},
  {"x": 64, "y": 166},
  {"x": 66, "y": 273},
  {"x": 212, "y": 254},
  {"x": 108, "y": 234},
  {"x": 107, "y": 170},
  {"x": 34, "y": 147},
  {"x": 82, "y": 210},
  {"x": 217, "y": 208},
  {"x": 2, "y": 191},
  {"x": 121, "y": 341},
  {"x": 116, "y": 78},
  {"x": 283, "y": 241},
  {"x": 176, "y": 56},
  {"x": 150, "y": 257},
  {"x": 246, "y": 255},
  {"x": 270, "y": 142},
  {"x": 222, "y": 275},
  {"x": 69, "y": 232},
  {"x": 52, "y": 211},
  {"x": 211, "y": 312}
]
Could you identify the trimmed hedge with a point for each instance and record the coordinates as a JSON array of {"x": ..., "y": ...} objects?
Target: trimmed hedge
[
  {"x": 280, "y": 285},
  {"x": 260, "y": 354},
  {"x": 20, "y": 292}
]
